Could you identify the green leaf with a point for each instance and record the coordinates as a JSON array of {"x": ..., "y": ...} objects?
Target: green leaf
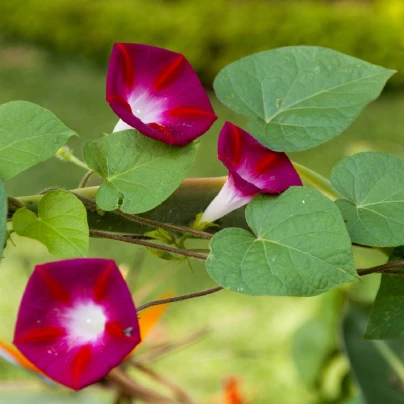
[
  {"x": 373, "y": 185},
  {"x": 386, "y": 317},
  {"x": 3, "y": 217},
  {"x": 29, "y": 134},
  {"x": 140, "y": 173},
  {"x": 61, "y": 224},
  {"x": 301, "y": 96},
  {"x": 378, "y": 366},
  {"x": 300, "y": 247}
]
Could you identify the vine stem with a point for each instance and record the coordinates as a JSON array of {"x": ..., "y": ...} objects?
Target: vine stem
[
  {"x": 388, "y": 268},
  {"x": 178, "y": 392},
  {"x": 179, "y": 298},
  {"x": 168, "y": 226},
  {"x": 131, "y": 240},
  {"x": 129, "y": 387},
  {"x": 86, "y": 177},
  {"x": 149, "y": 222},
  {"x": 317, "y": 181}
]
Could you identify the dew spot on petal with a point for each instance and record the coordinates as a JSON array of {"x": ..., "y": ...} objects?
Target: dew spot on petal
[
  {"x": 190, "y": 112},
  {"x": 163, "y": 131},
  {"x": 128, "y": 331}
]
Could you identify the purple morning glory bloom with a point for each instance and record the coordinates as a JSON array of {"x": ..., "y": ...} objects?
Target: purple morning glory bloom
[
  {"x": 77, "y": 320},
  {"x": 253, "y": 169},
  {"x": 157, "y": 92}
]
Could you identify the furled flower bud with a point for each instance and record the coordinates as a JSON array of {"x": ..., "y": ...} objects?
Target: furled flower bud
[
  {"x": 253, "y": 169},
  {"x": 157, "y": 92},
  {"x": 77, "y": 320}
]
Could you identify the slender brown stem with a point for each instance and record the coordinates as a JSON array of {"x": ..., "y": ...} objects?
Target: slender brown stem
[
  {"x": 384, "y": 269},
  {"x": 85, "y": 179},
  {"x": 131, "y": 240},
  {"x": 178, "y": 298},
  {"x": 129, "y": 387},
  {"x": 164, "y": 349},
  {"x": 168, "y": 226},
  {"x": 179, "y": 394},
  {"x": 200, "y": 250},
  {"x": 151, "y": 223}
]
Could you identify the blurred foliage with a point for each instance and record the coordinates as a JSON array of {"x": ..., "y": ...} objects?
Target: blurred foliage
[
  {"x": 252, "y": 339},
  {"x": 212, "y": 33}
]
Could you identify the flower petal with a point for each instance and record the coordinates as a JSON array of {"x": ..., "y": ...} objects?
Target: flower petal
[
  {"x": 157, "y": 92},
  {"x": 272, "y": 172},
  {"x": 253, "y": 169},
  {"x": 65, "y": 317},
  {"x": 235, "y": 193}
]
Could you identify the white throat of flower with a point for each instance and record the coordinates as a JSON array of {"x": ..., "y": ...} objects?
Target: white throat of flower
[
  {"x": 84, "y": 323},
  {"x": 228, "y": 199},
  {"x": 144, "y": 106}
]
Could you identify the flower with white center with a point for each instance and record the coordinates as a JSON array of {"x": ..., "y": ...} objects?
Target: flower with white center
[
  {"x": 157, "y": 92},
  {"x": 253, "y": 169},
  {"x": 77, "y": 320}
]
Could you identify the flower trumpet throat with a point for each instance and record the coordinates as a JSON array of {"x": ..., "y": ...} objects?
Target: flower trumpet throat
[
  {"x": 253, "y": 169},
  {"x": 77, "y": 320},
  {"x": 157, "y": 92}
]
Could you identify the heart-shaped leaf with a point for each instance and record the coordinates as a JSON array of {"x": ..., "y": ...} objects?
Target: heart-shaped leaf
[
  {"x": 300, "y": 247},
  {"x": 301, "y": 96},
  {"x": 373, "y": 185},
  {"x": 61, "y": 224},
  {"x": 386, "y": 317},
  {"x": 29, "y": 134},
  {"x": 139, "y": 172}
]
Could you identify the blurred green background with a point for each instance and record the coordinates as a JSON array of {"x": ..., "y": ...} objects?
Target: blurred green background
[{"x": 55, "y": 53}]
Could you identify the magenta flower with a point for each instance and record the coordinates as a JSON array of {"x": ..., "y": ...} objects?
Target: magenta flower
[
  {"x": 253, "y": 169},
  {"x": 77, "y": 320},
  {"x": 157, "y": 92}
]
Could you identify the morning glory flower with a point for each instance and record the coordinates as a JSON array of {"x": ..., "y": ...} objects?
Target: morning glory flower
[
  {"x": 157, "y": 92},
  {"x": 253, "y": 169},
  {"x": 77, "y": 320}
]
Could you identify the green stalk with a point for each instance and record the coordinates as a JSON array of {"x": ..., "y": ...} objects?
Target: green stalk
[
  {"x": 65, "y": 154},
  {"x": 317, "y": 181}
]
